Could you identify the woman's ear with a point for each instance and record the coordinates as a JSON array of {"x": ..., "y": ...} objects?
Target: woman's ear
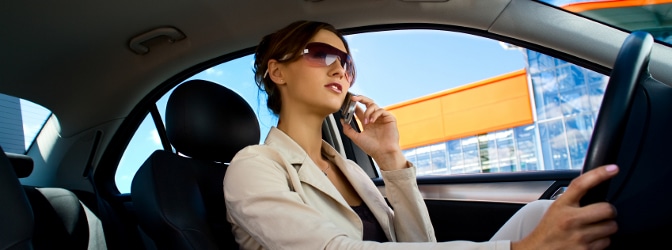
[{"x": 274, "y": 72}]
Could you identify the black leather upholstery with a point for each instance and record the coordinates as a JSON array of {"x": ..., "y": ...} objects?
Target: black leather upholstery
[
  {"x": 23, "y": 164},
  {"x": 57, "y": 219},
  {"x": 179, "y": 200},
  {"x": 207, "y": 121},
  {"x": 60, "y": 220},
  {"x": 16, "y": 216}
]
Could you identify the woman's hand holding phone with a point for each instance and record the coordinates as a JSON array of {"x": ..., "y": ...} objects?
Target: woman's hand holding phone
[{"x": 379, "y": 137}]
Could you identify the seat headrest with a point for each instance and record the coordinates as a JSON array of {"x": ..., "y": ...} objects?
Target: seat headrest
[
  {"x": 23, "y": 164},
  {"x": 208, "y": 121}
]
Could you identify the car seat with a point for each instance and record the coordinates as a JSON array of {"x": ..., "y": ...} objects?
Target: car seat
[
  {"x": 178, "y": 196},
  {"x": 54, "y": 218}
]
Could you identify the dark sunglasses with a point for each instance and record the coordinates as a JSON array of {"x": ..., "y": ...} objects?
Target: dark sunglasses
[{"x": 323, "y": 55}]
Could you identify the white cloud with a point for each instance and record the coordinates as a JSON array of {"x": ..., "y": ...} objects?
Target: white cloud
[
  {"x": 154, "y": 137},
  {"x": 354, "y": 52},
  {"x": 573, "y": 136},
  {"x": 581, "y": 104},
  {"x": 213, "y": 71},
  {"x": 355, "y": 89}
]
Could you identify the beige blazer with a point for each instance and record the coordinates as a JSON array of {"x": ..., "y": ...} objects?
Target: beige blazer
[{"x": 278, "y": 198}]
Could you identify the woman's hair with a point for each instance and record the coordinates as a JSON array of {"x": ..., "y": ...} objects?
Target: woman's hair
[{"x": 284, "y": 45}]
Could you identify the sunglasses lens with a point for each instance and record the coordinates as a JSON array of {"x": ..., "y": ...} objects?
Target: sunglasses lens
[
  {"x": 349, "y": 71},
  {"x": 329, "y": 59}
]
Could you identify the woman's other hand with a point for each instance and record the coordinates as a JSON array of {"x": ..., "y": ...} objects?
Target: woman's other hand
[{"x": 567, "y": 225}]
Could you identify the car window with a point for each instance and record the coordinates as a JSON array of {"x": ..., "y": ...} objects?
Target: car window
[
  {"x": 20, "y": 122},
  {"x": 464, "y": 104}
]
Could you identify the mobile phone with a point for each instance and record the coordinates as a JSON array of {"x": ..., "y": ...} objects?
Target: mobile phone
[{"x": 348, "y": 108}]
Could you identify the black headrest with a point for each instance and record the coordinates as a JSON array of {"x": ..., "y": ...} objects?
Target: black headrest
[
  {"x": 23, "y": 164},
  {"x": 208, "y": 121},
  {"x": 16, "y": 214}
]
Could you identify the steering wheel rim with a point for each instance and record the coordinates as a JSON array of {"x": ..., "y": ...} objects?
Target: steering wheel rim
[{"x": 631, "y": 66}]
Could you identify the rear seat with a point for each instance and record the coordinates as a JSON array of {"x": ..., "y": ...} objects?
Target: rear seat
[
  {"x": 16, "y": 217},
  {"x": 61, "y": 220}
]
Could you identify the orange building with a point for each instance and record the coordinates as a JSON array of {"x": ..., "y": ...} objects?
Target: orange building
[{"x": 489, "y": 105}]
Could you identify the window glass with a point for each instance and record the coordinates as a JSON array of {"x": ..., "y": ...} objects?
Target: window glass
[
  {"x": 526, "y": 148},
  {"x": 506, "y": 152},
  {"x": 438, "y": 154},
  {"x": 472, "y": 158},
  {"x": 20, "y": 122},
  {"x": 455, "y": 156},
  {"x": 143, "y": 143}
]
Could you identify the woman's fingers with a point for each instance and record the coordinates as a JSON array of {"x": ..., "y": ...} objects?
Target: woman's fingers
[
  {"x": 579, "y": 186},
  {"x": 372, "y": 111}
]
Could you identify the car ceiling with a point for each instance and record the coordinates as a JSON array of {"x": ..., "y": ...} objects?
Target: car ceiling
[{"x": 73, "y": 56}]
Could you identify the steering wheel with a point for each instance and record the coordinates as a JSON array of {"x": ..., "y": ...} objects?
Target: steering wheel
[{"x": 630, "y": 68}]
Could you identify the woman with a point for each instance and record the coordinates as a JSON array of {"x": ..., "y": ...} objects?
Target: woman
[{"x": 296, "y": 192}]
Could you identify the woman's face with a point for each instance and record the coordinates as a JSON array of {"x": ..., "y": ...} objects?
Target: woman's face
[{"x": 313, "y": 88}]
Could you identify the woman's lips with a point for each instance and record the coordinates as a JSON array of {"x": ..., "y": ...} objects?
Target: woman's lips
[{"x": 335, "y": 87}]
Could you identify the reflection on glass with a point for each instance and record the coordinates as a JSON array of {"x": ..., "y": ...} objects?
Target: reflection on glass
[
  {"x": 551, "y": 105},
  {"x": 554, "y": 144},
  {"x": 471, "y": 158},
  {"x": 438, "y": 154},
  {"x": 596, "y": 92},
  {"x": 539, "y": 62},
  {"x": 456, "y": 159},
  {"x": 488, "y": 152},
  {"x": 423, "y": 160},
  {"x": 506, "y": 152},
  {"x": 565, "y": 117},
  {"x": 574, "y": 101},
  {"x": 527, "y": 147},
  {"x": 579, "y": 130}
]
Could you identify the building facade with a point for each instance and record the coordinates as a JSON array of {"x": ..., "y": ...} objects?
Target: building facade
[{"x": 11, "y": 125}]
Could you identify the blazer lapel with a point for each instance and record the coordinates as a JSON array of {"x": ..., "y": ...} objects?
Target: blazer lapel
[
  {"x": 308, "y": 171},
  {"x": 311, "y": 174}
]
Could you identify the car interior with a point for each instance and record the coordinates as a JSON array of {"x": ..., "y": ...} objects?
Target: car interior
[{"x": 103, "y": 68}]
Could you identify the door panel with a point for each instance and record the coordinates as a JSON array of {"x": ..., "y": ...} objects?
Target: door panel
[{"x": 474, "y": 207}]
